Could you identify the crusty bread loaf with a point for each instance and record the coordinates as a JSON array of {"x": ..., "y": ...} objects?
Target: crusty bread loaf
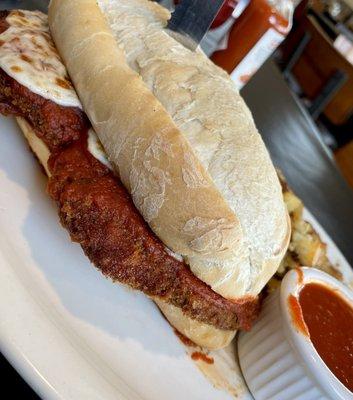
[
  {"x": 168, "y": 184},
  {"x": 202, "y": 334},
  {"x": 181, "y": 139}
]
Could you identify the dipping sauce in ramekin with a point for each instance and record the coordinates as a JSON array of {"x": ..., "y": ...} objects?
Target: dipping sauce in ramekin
[
  {"x": 327, "y": 318},
  {"x": 302, "y": 345}
]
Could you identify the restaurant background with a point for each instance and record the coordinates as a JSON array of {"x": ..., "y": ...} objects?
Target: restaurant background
[
  {"x": 298, "y": 82},
  {"x": 312, "y": 43}
]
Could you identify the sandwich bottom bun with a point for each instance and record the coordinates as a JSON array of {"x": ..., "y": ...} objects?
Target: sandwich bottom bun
[
  {"x": 37, "y": 145},
  {"x": 201, "y": 334}
]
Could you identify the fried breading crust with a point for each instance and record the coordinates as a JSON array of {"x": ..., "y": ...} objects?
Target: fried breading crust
[
  {"x": 56, "y": 125},
  {"x": 99, "y": 214}
]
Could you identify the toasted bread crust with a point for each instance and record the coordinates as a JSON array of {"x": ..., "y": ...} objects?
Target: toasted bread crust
[{"x": 211, "y": 195}]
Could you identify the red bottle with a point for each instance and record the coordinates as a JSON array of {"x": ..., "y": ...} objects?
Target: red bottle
[
  {"x": 254, "y": 36},
  {"x": 224, "y": 13}
]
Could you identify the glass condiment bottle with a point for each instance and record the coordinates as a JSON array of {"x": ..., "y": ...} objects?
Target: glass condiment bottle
[{"x": 254, "y": 36}]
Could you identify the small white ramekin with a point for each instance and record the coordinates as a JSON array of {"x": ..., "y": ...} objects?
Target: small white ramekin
[{"x": 279, "y": 362}]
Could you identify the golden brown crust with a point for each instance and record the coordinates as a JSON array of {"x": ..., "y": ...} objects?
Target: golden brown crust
[
  {"x": 149, "y": 152},
  {"x": 56, "y": 125}
]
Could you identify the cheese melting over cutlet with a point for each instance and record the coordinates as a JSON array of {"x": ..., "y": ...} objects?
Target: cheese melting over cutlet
[{"x": 28, "y": 55}]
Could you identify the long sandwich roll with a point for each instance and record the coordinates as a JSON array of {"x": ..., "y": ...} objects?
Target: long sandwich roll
[
  {"x": 93, "y": 205},
  {"x": 181, "y": 140},
  {"x": 207, "y": 286}
]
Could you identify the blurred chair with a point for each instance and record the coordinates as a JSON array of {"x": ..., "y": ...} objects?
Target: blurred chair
[{"x": 324, "y": 76}]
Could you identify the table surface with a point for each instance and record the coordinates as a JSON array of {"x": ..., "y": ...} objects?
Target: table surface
[{"x": 295, "y": 147}]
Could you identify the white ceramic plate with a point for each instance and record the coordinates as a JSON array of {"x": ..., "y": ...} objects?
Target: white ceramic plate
[{"x": 71, "y": 333}]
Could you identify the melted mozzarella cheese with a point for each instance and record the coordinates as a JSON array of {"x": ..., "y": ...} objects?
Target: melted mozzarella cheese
[
  {"x": 28, "y": 55},
  {"x": 96, "y": 149}
]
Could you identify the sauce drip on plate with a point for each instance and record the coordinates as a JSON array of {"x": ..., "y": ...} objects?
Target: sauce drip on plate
[{"x": 197, "y": 355}]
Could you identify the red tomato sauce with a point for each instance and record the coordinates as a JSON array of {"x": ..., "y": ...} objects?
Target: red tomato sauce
[
  {"x": 186, "y": 341},
  {"x": 297, "y": 315},
  {"x": 197, "y": 355},
  {"x": 329, "y": 320}
]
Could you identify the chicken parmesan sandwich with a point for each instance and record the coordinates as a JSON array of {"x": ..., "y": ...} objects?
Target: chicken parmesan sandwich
[{"x": 153, "y": 158}]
